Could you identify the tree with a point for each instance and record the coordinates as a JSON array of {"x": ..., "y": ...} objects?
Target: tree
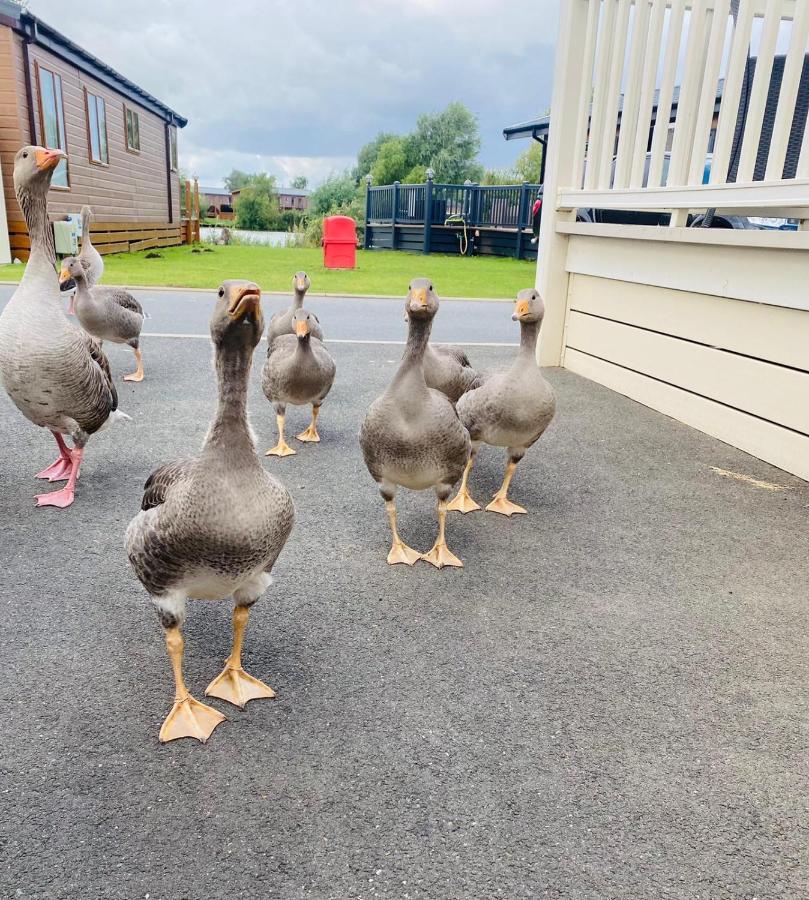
[
  {"x": 237, "y": 179},
  {"x": 529, "y": 164},
  {"x": 300, "y": 182},
  {"x": 391, "y": 162},
  {"x": 257, "y": 203},
  {"x": 368, "y": 155},
  {"x": 336, "y": 191},
  {"x": 449, "y": 142}
]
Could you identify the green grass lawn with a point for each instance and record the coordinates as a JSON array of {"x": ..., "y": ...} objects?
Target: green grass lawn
[{"x": 377, "y": 272}]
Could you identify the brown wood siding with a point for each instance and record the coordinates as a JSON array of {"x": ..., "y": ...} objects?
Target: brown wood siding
[{"x": 132, "y": 188}]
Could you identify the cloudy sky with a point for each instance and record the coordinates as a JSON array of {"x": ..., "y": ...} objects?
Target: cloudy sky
[{"x": 297, "y": 86}]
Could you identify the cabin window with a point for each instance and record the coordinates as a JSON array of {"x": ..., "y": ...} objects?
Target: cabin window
[
  {"x": 52, "y": 120},
  {"x": 97, "y": 128},
  {"x": 173, "y": 148},
  {"x": 132, "y": 130}
]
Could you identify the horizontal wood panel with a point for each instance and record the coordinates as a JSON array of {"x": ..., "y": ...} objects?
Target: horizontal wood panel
[
  {"x": 782, "y": 448},
  {"x": 771, "y": 392},
  {"x": 761, "y": 275},
  {"x": 144, "y": 244},
  {"x": 771, "y": 333}
]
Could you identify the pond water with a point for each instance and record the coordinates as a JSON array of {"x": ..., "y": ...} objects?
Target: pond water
[{"x": 210, "y": 235}]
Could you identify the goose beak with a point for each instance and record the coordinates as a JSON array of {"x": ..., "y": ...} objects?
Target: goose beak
[
  {"x": 246, "y": 302},
  {"x": 64, "y": 275},
  {"x": 418, "y": 300},
  {"x": 302, "y": 328},
  {"x": 300, "y": 284},
  {"x": 49, "y": 159},
  {"x": 523, "y": 308}
]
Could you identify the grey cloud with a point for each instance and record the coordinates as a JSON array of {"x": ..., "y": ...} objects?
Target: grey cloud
[{"x": 283, "y": 80}]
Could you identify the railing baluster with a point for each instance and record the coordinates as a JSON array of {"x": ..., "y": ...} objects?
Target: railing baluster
[
  {"x": 613, "y": 95},
  {"x": 803, "y": 162},
  {"x": 661, "y": 129},
  {"x": 629, "y": 115},
  {"x": 707, "y": 100},
  {"x": 758, "y": 95},
  {"x": 585, "y": 91},
  {"x": 605, "y": 39},
  {"x": 793, "y": 69},
  {"x": 689, "y": 95},
  {"x": 646, "y": 102}
]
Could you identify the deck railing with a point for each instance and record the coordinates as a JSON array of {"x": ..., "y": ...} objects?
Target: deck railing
[
  {"x": 622, "y": 43},
  {"x": 468, "y": 205}
]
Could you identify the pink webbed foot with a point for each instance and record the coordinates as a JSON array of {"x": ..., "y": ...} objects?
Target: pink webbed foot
[
  {"x": 60, "y": 499},
  {"x": 56, "y": 471}
]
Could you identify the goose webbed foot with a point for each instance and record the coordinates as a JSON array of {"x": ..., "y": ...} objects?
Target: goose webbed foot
[
  {"x": 463, "y": 502},
  {"x": 440, "y": 555},
  {"x": 65, "y": 496},
  {"x": 505, "y": 507},
  {"x": 137, "y": 375},
  {"x": 56, "y": 471},
  {"x": 282, "y": 448},
  {"x": 311, "y": 435},
  {"x": 237, "y": 687},
  {"x": 190, "y": 718},
  {"x": 401, "y": 553}
]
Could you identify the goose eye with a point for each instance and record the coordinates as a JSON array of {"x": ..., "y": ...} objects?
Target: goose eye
[
  {"x": 221, "y": 292},
  {"x": 25, "y": 156},
  {"x": 430, "y": 287}
]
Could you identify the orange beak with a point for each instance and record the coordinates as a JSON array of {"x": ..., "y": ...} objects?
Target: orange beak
[
  {"x": 523, "y": 308},
  {"x": 418, "y": 299},
  {"x": 247, "y": 301},
  {"x": 49, "y": 159},
  {"x": 301, "y": 284},
  {"x": 64, "y": 275},
  {"x": 302, "y": 328}
]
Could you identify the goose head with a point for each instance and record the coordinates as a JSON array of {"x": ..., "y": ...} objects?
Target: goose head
[
  {"x": 300, "y": 282},
  {"x": 71, "y": 271},
  {"x": 421, "y": 301},
  {"x": 237, "y": 321},
  {"x": 302, "y": 321},
  {"x": 529, "y": 307},
  {"x": 33, "y": 169}
]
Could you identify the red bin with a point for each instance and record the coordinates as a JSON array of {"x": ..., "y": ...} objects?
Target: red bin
[{"x": 339, "y": 242}]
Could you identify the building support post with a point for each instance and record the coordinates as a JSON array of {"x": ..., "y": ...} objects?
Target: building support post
[
  {"x": 521, "y": 216},
  {"x": 366, "y": 238},
  {"x": 393, "y": 215},
  {"x": 428, "y": 213}
]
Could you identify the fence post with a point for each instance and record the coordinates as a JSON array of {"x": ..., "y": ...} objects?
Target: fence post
[
  {"x": 189, "y": 230},
  {"x": 521, "y": 214},
  {"x": 197, "y": 234},
  {"x": 366, "y": 241},
  {"x": 393, "y": 215},
  {"x": 428, "y": 212}
]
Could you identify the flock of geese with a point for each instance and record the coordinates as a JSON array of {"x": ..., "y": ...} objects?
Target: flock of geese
[{"x": 212, "y": 526}]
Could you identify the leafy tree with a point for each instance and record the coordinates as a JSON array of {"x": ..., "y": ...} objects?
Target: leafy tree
[
  {"x": 449, "y": 141},
  {"x": 300, "y": 182},
  {"x": 237, "y": 179},
  {"x": 392, "y": 162},
  {"x": 337, "y": 190},
  {"x": 500, "y": 176},
  {"x": 368, "y": 155},
  {"x": 257, "y": 203},
  {"x": 529, "y": 164}
]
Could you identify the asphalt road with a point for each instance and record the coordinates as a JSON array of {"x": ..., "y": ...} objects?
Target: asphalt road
[{"x": 608, "y": 701}]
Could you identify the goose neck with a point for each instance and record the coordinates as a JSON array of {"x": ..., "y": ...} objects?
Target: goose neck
[{"x": 230, "y": 427}]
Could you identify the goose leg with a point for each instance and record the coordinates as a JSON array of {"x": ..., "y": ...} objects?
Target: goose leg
[
  {"x": 501, "y": 504},
  {"x": 234, "y": 684},
  {"x": 399, "y": 551},
  {"x": 59, "y": 470},
  {"x": 71, "y": 304},
  {"x": 440, "y": 555},
  {"x": 64, "y": 497},
  {"x": 311, "y": 432},
  {"x": 137, "y": 375},
  {"x": 282, "y": 448},
  {"x": 188, "y": 717},
  {"x": 462, "y": 501}
]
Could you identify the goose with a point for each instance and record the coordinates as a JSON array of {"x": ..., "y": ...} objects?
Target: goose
[
  {"x": 298, "y": 369},
  {"x": 446, "y": 368},
  {"x": 90, "y": 259},
  {"x": 510, "y": 409},
  {"x": 212, "y": 527},
  {"x": 54, "y": 373},
  {"x": 412, "y": 436},
  {"x": 281, "y": 322},
  {"x": 107, "y": 313}
]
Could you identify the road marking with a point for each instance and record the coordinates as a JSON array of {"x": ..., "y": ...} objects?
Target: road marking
[
  {"x": 207, "y": 337},
  {"x": 747, "y": 479}
]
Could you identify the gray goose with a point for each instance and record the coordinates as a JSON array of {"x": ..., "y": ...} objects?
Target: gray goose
[
  {"x": 90, "y": 259},
  {"x": 298, "y": 369},
  {"x": 108, "y": 313},
  {"x": 55, "y": 373},
  {"x": 412, "y": 436},
  {"x": 212, "y": 527},
  {"x": 281, "y": 322},
  {"x": 510, "y": 409}
]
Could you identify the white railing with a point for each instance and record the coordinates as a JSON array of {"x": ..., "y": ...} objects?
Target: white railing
[{"x": 652, "y": 151}]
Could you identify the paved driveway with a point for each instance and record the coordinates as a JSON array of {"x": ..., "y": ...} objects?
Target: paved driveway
[{"x": 609, "y": 700}]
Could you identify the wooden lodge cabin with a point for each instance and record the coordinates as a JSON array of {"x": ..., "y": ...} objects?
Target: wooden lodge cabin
[{"x": 120, "y": 140}]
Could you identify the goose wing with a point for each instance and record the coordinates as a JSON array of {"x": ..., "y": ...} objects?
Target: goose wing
[
  {"x": 126, "y": 300},
  {"x": 163, "y": 479},
  {"x": 455, "y": 353},
  {"x": 94, "y": 351}
]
